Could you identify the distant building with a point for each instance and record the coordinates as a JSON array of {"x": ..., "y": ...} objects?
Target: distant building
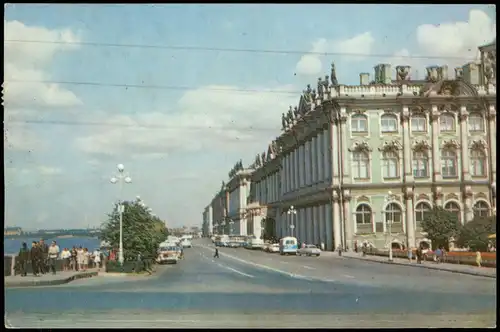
[{"x": 8, "y": 231}]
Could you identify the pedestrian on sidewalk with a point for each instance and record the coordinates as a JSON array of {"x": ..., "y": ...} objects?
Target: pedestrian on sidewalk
[
  {"x": 44, "y": 257},
  {"x": 52, "y": 254},
  {"x": 339, "y": 249},
  {"x": 479, "y": 259},
  {"x": 410, "y": 254},
  {"x": 23, "y": 258},
  {"x": 35, "y": 255}
]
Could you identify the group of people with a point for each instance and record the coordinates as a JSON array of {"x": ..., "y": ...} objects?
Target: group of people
[{"x": 43, "y": 258}]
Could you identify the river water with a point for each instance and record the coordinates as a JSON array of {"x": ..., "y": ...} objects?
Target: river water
[{"x": 12, "y": 245}]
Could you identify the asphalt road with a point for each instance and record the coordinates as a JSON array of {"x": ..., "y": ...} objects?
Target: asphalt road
[{"x": 256, "y": 289}]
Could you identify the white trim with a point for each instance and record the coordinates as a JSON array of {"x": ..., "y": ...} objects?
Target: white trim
[
  {"x": 370, "y": 168},
  {"x": 481, "y": 200},
  {"x": 390, "y": 113},
  {"x": 456, "y": 124},
  {"x": 352, "y": 134}
]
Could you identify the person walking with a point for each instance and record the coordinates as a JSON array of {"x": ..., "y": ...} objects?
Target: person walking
[
  {"x": 35, "y": 258},
  {"x": 44, "y": 256},
  {"x": 216, "y": 255},
  {"x": 479, "y": 259},
  {"x": 23, "y": 258},
  {"x": 52, "y": 254}
]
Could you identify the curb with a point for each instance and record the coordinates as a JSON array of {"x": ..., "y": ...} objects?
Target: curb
[
  {"x": 37, "y": 283},
  {"x": 477, "y": 274}
]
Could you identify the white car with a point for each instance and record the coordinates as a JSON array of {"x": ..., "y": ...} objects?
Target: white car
[
  {"x": 273, "y": 248},
  {"x": 309, "y": 250},
  {"x": 186, "y": 244}
]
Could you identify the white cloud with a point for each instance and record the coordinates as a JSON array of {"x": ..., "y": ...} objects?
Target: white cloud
[
  {"x": 355, "y": 49},
  {"x": 20, "y": 137},
  {"x": 206, "y": 118},
  {"x": 30, "y": 62},
  {"x": 451, "y": 43},
  {"x": 48, "y": 170}
]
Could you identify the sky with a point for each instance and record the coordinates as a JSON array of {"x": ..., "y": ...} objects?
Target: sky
[{"x": 88, "y": 87}]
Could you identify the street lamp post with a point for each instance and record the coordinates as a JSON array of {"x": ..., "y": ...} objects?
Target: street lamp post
[
  {"x": 231, "y": 223},
  {"x": 292, "y": 212},
  {"x": 121, "y": 178},
  {"x": 389, "y": 198}
]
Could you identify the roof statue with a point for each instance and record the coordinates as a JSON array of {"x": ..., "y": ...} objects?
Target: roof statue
[
  {"x": 333, "y": 75},
  {"x": 283, "y": 121}
]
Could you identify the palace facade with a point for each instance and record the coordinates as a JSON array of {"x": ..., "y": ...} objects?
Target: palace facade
[{"x": 366, "y": 163}]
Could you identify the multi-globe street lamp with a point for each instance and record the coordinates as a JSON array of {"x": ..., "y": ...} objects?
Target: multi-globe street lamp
[
  {"x": 292, "y": 212},
  {"x": 121, "y": 178}
]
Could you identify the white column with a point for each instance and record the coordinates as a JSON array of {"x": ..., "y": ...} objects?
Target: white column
[
  {"x": 348, "y": 225},
  {"x": 294, "y": 170},
  {"x": 410, "y": 226},
  {"x": 319, "y": 157},
  {"x": 346, "y": 170},
  {"x": 314, "y": 215},
  {"x": 464, "y": 144},
  {"x": 303, "y": 165},
  {"x": 328, "y": 217},
  {"x": 337, "y": 237},
  {"x": 290, "y": 173},
  {"x": 313, "y": 161},
  {"x": 307, "y": 173},
  {"x": 300, "y": 165},
  {"x": 408, "y": 172},
  {"x": 436, "y": 158},
  {"x": 333, "y": 151},
  {"x": 491, "y": 123},
  {"x": 327, "y": 154}
]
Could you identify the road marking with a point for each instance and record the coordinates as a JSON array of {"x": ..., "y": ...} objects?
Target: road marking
[
  {"x": 348, "y": 276},
  {"x": 308, "y": 267},
  {"x": 236, "y": 271}
]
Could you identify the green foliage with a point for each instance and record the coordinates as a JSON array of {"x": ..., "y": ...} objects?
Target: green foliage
[
  {"x": 441, "y": 225},
  {"x": 142, "y": 232},
  {"x": 474, "y": 234}
]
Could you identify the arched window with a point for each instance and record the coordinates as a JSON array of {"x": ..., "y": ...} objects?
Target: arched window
[
  {"x": 392, "y": 213},
  {"x": 476, "y": 122},
  {"x": 448, "y": 163},
  {"x": 420, "y": 164},
  {"x": 446, "y": 122},
  {"x": 363, "y": 214},
  {"x": 390, "y": 165},
  {"x": 422, "y": 210},
  {"x": 453, "y": 208},
  {"x": 389, "y": 123},
  {"x": 481, "y": 209},
  {"x": 418, "y": 124},
  {"x": 361, "y": 165},
  {"x": 359, "y": 124},
  {"x": 478, "y": 163}
]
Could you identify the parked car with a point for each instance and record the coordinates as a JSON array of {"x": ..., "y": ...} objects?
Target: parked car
[
  {"x": 273, "y": 248},
  {"x": 309, "y": 250}
]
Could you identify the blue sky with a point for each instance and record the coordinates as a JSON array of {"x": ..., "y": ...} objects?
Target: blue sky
[{"x": 58, "y": 174}]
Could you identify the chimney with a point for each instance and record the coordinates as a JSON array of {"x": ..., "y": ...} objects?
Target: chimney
[
  {"x": 442, "y": 73},
  {"x": 383, "y": 74},
  {"x": 364, "y": 79},
  {"x": 471, "y": 73}
]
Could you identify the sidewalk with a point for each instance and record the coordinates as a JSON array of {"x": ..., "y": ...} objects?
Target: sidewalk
[
  {"x": 455, "y": 268},
  {"x": 48, "y": 279}
]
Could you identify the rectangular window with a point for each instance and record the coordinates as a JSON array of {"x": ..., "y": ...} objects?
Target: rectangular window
[
  {"x": 360, "y": 170},
  {"x": 419, "y": 168},
  {"x": 389, "y": 125},
  {"x": 390, "y": 168},
  {"x": 448, "y": 168},
  {"x": 359, "y": 125},
  {"x": 447, "y": 123},
  {"x": 418, "y": 124},
  {"x": 476, "y": 123},
  {"x": 478, "y": 167}
]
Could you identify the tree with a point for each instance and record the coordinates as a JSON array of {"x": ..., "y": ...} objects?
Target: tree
[
  {"x": 475, "y": 233},
  {"x": 441, "y": 225},
  {"x": 142, "y": 232}
]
